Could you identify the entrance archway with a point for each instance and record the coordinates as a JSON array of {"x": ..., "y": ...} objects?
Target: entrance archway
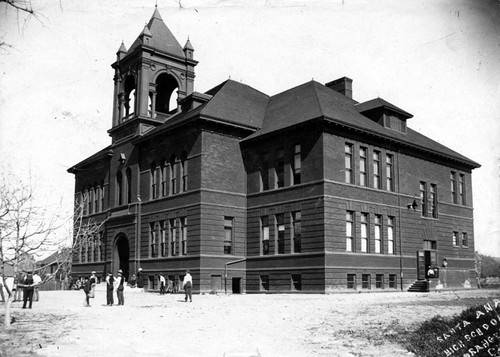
[{"x": 121, "y": 255}]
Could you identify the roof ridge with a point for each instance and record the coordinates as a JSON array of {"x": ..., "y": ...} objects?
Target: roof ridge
[{"x": 317, "y": 96}]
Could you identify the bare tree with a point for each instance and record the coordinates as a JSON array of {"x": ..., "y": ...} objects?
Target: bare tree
[
  {"x": 26, "y": 230},
  {"x": 86, "y": 240}
]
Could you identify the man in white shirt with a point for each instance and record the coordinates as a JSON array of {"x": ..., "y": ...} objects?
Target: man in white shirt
[
  {"x": 162, "y": 284},
  {"x": 187, "y": 284},
  {"x": 37, "y": 281}
]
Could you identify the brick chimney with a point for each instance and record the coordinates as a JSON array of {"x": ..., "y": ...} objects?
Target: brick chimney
[{"x": 342, "y": 85}]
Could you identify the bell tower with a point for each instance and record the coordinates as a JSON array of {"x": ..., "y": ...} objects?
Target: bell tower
[{"x": 151, "y": 78}]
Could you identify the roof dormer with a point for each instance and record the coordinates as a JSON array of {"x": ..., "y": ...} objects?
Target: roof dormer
[{"x": 385, "y": 114}]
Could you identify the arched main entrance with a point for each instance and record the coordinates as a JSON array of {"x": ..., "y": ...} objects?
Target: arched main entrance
[{"x": 121, "y": 255}]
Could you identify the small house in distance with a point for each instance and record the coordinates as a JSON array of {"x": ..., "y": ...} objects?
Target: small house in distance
[{"x": 303, "y": 191}]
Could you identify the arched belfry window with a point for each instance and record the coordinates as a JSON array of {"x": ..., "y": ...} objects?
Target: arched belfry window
[
  {"x": 166, "y": 96},
  {"x": 129, "y": 95}
]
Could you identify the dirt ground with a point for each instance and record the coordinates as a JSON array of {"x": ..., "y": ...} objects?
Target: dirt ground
[{"x": 224, "y": 325}]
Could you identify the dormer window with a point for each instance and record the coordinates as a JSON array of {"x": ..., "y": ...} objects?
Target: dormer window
[
  {"x": 394, "y": 122},
  {"x": 385, "y": 114}
]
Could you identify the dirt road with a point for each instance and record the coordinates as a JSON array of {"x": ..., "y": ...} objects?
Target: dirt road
[{"x": 225, "y": 325}]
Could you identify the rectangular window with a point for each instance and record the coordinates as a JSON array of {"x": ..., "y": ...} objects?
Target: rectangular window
[
  {"x": 84, "y": 205},
  {"x": 465, "y": 241},
  {"x": 362, "y": 166},
  {"x": 102, "y": 198},
  {"x": 364, "y": 232},
  {"x": 430, "y": 245},
  {"x": 349, "y": 163},
  {"x": 95, "y": 247},
  {"x": 453, "y": 187},
  {"x": 264, "y": 234},
  {"x": 164, "y": 181},
  {"x": 228, "y": 235},
  {"x": 184, "y": 235},
  {"x": 280, "y": 169},
  {"x": 296, "y": 165},
  {"x": 297, "y": 231},
  {"x": 280, "y": 233},
  {"x": 378, "y": 234},
  {"x": 461, "y": 188},
  {"x": 433, "y": 201},
  {"x": 379, "y": 281},
  {"x": 96, "y": 199},
  {"x": 91, "y": 200},
  {"x": 456, "y": 243},
  {"x": 423, "y": 198},
  {"x": 101, "y": 244},
  {"x": 390, "y": 235},
  {"x": 173, "y": 176},
  {"x": 403, "y": 126},
  {"x": 172, "y": 237},
  {"x": 296, "y": 282},
  {"x": 264, "y": 172},
  {"x": 389, "y": 162},
  {"x": 349, "y": 231},
  {"x": 376, "y": 170},
  {"x": 351, "y": 281},
  {"x": 184, "y": 168},
  {"x": 393, "y": 281},
  {"x": 264, "y": 282},
  {"x": 154, "y": 182},
  {"x": 163, "y": 246},
  {"x": 366, "y": 281},
  {"x": 152, "y": 240}
]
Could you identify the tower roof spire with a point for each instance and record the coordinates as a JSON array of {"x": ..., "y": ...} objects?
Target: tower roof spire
[{"x": 160, "y": 37}]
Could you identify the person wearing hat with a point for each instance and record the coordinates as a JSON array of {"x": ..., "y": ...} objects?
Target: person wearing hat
[
  {"x": 110, "y": 279},
  {"x": 187, "y": 283},
  {"x": 120, "y": 280}
]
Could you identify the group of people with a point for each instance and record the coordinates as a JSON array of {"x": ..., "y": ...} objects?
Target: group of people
[
  {"x": 118, "y": 284},
  {"x": 24, "y": 287},
  {"x": 112, "y": 284},
  {"x": 168, "y": 285}
]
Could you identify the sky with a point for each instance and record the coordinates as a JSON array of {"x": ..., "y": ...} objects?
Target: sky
[{"x": 436, "y": 59}]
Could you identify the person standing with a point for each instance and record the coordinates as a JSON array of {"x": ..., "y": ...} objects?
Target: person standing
[
  {"x": 187, "y": 284},
  {"x": 86, "y": 290},
  {"x": 27, "y": 284},
  {"x": 110, "y": 280},
  {"x": 93, "y": 282},
  {"x": 162, "y": 284},
  {"x": 120, "y": 280},
  {"x": 140, "y": 279},
  {"x": 37, "y": 281}
]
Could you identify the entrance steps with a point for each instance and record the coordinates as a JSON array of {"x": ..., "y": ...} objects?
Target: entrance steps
[{"x": 419, "y": 286}]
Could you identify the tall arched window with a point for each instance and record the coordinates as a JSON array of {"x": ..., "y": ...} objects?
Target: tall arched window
[{"x": 119, "y": 188}]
